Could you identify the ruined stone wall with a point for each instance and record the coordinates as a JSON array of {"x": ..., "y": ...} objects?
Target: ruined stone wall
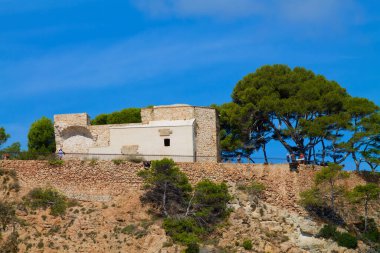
[
  {"x": 74, "y": 128},
  {"x": 167, "y": 113},
  {"x": 75, "y": 135}
]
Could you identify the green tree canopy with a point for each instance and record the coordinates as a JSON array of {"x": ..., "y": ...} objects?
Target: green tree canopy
[
  {"x": 329, "y": 175},
  {"x": 41, "y": 136},
  {"x": 13, "y": 148},
  {"x": 286, "y": 98},
  {"x": 3, "y": 136},
  {"x": 129, "y": 115},
  {"x": 189, "y": 214},
  {"x": 304, "y": 111},
  {"x": 168, "y": 189},
  {"x": 365, "y": 194}
]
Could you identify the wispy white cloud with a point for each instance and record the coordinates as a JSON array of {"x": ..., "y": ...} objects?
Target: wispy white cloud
[
  {"x": 144, "y": 57},
  {"x": 221, "y": 9},
  {"x": 321, "y": 11},
  {"x": 288, "y": 11}
]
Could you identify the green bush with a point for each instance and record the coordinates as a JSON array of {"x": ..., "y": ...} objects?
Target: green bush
[
  {"x": 346, "y": 240},
  {"x": 210, "y": 202},
  {"x": 55, "y": 162},
  {"x": 118, "y": 161},
  {"x": 253, "y": 188},
  {"x": 311, "y": 198},
  {"x": 11, "y": 244},
  {"x": 247, "y": 244},
  {"x": 129, "y": 115},
  {"x": 44, "y": 198},
  {"x": 196, "y": 212},
  {"x": 343, "y": 239},
  {"x": 328, "y": 231},
  {"x": 130, "y": 229},
  {"x": 372, "y": 234},
  {"x": 185, "y": 230},
  {"x": 7, "y": 214},
  {"x": 192, "y": 248}
]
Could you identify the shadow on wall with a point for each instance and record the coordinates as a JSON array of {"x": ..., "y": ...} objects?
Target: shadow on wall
[{"x": 77, "y": 138}]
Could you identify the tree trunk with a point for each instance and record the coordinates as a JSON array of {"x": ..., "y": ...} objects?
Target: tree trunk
[
  {"x": 265, "y": 153},
  {"x": 164, "y": 201},
  {"x": 332, "y": 195},
  {"x": 357, "y": 162},
  {"x": 278, "y": 135},
  {"x": 314, "y": 156},
  {"x": 323, "y": 152},
  {"x": 366, "y": 215}
]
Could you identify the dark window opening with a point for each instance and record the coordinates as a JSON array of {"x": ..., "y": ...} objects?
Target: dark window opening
[{"x": 166, "y": 142}]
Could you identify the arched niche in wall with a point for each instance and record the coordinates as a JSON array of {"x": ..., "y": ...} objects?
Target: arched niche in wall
[{"x": 76, "y": 139}]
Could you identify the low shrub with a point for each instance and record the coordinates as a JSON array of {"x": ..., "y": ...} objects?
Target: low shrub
[
  {"x": 11, "y": 244},
  {"x": 255, "y": 188},
  {"x": 7, "y": 214},
  {"x": 372, "y": 234},
  {"x": 192, "y": 248},
  {"x": 7, "y": 172},
  {"x": 247, "y": 244},
  {"x": 93, "y": 162},
  {"x": 118, "y": 161},
  {"x": 314, "y": 204},
  {"x": 343, "y": 239},
  {"x": 185, "y": 230},
  {"x": 130, "y": 229},
  {"x": 327, "y": 232},
  {"x": 55, "y": 162},
  {"x": 45, "y": 198},
  {"x": 40, "y": 244},
  {"x": 346, "y": 240},
  {"x": 15, "y": 186}
]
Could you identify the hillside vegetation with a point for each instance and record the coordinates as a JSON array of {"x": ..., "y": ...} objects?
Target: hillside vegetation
[{"x": 264, "y": 214}]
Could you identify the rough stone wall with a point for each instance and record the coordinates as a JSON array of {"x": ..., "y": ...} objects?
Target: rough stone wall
[
  {"x": 207, "y": 126},
  {"x": 207, "y": 135},
  {"x": 167, "y": 113},
  {"x": 77, "y": 119},
  {"x": 101, "y": 135},
  {"x": 103, "y": 180},
  {"x": 75, "y": 134},
  {"x": 66, "y": 125}
]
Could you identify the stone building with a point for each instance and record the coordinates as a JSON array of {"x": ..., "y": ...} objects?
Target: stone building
[{"x": 182, "y": 132}]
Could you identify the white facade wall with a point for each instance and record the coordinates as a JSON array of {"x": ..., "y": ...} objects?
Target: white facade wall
[{"x": 150, "y": 142}]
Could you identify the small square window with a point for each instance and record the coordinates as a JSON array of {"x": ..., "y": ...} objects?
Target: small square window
[{"x": 166, "y": 142}]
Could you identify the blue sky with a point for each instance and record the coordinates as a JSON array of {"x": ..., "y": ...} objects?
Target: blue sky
[{"x": 99, "y": 56}]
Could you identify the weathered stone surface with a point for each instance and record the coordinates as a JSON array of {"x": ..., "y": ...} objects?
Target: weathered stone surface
[{"x": 308, "y": 227}]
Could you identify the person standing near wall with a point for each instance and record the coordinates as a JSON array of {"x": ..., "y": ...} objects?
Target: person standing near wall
[
  {"x": 302, "y": 158},
  {"x": 288, "y": 158},
  {"x": 60, "y": 154}
]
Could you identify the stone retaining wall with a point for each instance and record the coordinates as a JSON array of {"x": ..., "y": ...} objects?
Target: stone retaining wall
[{"x": 103, "y": 180}]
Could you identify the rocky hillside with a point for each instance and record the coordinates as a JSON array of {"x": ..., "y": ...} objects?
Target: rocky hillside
[{"x": 106, "y": 220}]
